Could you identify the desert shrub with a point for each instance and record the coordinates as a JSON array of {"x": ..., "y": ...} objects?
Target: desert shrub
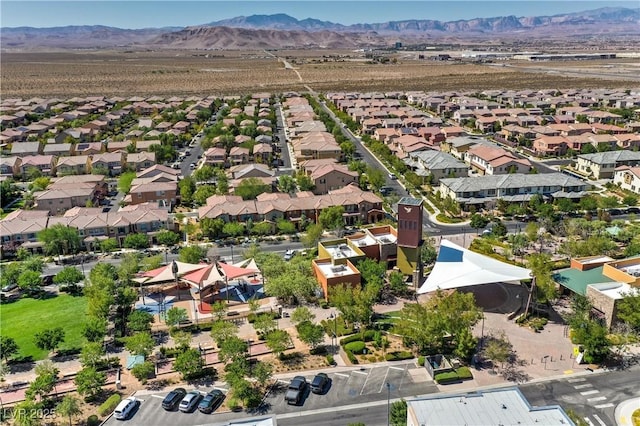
[
  {"x": 356, "y": 347},
  {"x": 448, "y": 377},
  {"x": 93, "y": 420},
  {"x": 421, "y": 360},
  {"x": 251, "y": 318},
  {"x": 464, "y": 373},
  {"x": 109, "y": 405},
  {"x": 352, "y": 358},
  {"x": 372, "y": 358},
  {"x": 330, "y": 360}
]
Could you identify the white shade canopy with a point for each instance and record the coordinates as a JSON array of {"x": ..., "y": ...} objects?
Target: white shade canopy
[{"x": 458, "y": 267}]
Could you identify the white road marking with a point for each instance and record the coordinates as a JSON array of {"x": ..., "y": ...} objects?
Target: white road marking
[
  {"x": 582, "y": 379},
  {"x": 586, "y": 385},
  {"x": 158, "y": 396},
  {"x": 591, "y": 392},
  {"x": 365, "y": 384},
  {"x": 384, "y": 381},
  {"x": 586, "y": 419},
  {"x": 597, "y": 398},
  {"x": 595, "y": 416},
  {"x": 601, "y": 406},
  {"x": 397, "y": 368},
  {"x": 342, "y": 374},
  {"x": 360, "y": 372}
]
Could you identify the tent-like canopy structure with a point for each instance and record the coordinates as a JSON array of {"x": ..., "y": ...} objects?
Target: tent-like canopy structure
[
  {"x": 165, "y": 273},
  {"x": 458, "y": 267},
  {"x": 205, "y": 276},
  {"x": 231, "y": 271}
]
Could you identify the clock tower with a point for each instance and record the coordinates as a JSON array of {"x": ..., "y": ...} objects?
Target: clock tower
[{"x": 409, "y": 235}]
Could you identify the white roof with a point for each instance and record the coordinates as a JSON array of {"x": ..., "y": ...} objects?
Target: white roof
[{"x": 458, "y": 267}]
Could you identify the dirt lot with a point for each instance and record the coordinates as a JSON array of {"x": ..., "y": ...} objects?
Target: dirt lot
[{"x": 126, "y": 73}]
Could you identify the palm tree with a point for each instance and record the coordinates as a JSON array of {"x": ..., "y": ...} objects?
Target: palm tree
[{"x": 69, "y": 406}]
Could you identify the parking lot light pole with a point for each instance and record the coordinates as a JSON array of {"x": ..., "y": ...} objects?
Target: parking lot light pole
[{"x": 388, "y": 403}]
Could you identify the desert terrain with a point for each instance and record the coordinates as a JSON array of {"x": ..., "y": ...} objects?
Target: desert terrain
[{"x": 180, "y": 72}]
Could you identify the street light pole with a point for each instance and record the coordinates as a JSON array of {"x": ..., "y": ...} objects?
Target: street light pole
[{"x": 388, "y": 404}]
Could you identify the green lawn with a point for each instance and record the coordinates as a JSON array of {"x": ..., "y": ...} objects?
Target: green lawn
[{"x": 22, "y": 319}]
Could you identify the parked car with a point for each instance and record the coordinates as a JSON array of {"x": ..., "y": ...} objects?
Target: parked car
[
  {"x": 192, "y": 166},
  {"x": 125, "y": 408},
  {"x": 190, "y": 401},
  {"x": 211, "y": 401},
  {"x": 319, "y": 383},
  {"x": 9, "y": 287},
  {"x": 295, "y": 391},
  {"x": 288, "y": 255},
  {"x": 171, "y": 401},
  {"x": 392, "y": 176},
  {"x": 633, "y": 210}
]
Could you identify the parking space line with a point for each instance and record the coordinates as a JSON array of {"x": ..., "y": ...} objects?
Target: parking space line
[
  {"x": 406, "y": 367},
  {"x": 384, "y": 381},
  {"x": 157, "y": 396},
  {"x": 365, "y": 383},
  {"x": 397, "y": 368},
  {"x": 360, "y": 372},
  {"x": 342, "y": 374}
]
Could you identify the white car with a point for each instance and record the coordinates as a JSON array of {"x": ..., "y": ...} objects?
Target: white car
[
  {"x": 288, "y": 255},
  {"x": 124, "y": 409}
]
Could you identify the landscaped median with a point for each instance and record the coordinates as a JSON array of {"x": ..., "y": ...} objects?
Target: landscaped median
[{"x": 454, "y": 376}]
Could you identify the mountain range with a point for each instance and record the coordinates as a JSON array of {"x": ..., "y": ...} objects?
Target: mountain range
[{"x": 284, "y": 31}]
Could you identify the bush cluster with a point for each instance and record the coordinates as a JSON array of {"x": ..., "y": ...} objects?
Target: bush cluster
[
  {"x": 398, "y": 356},
  {"x": 421, "y": 360},
  {"x": 330, "y": 360},
  {"x": 448, "y": 377},
  {"x": 356, "y": 347},
  {"x": 109, "y": 405},
  {"x": 351, "y": 357},
  {"x": 367, "y": 336}
]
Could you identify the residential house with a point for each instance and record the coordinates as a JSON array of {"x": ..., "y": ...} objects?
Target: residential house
[
  {"x": 158, "y": 170},
  {"x": 58, "y": 149},
  {"x": 435, "y": 165},
  {"x": 602, "y": 165},
  {"x": 26, "y": 148},
  {"x": 58, "y": 201},
  {"x": 20, "y": 228},
  {"x": 157, "y": 192},
  {"x": 141, "y": 160},
  {"x": 488, "y": 160},
  {"x": 238, "y": 155},
  {"x": 77, "y": 165},
  {"x": 329, "y": 177},
  {"x": 215, "y": 156},
  {"x": 262, "y": 152},
  {"x": 10, "y": 166},
  {"x": 627, "y": 178},
  {"x": 550, "y": 146},
  {"x": 484, "y": 191},
  {"x": 110, "y": 163},
  {"x": 90, "y": 148},
  {"x": 45, "y": 164},
  {"x": 243, "y": 171}
]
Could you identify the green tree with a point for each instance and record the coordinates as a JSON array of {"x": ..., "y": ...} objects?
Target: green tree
[
  {"x": 309, "y": 333},
  {"x": 140, "y": 343},
  {"x": 143, "y": 371},
  {"x": 30, "y": 281},
  {"x": 187, "y": 188},
  {"x": 139, "y": 321},
  {"x": 312, "y": 235},
  {"x": 629, "y": 309},
  {"x": 59, "y": 239},
  {"x": 286, "y": 227},
  {"x": 202, "y": 193},
  {"x": 40, "y": 184},
  {"x": 167, "y": 238},
  {"x": 182, "y": 339},
  {"x": 302, "y": 314},
  {"x": 125, "y": 180},
  {"x": 278, "y": 341},
  {"x": 355, "y": 304},
  {"x": 211, "y": 228},
  {"x": 541, "y": 268},
  {"x": 262, "y": 372},
  {"x": 263, "y": 228},
  {"x": 264, "y": 324},
  {"x": 45, "y": 381},
  {"x": 191, "y": 254},
  {"x": 8, "y": 347},
  {"x": 286, "y": 184},
  {"x": 398, "y": 413},
  {"x": 108, "y": 245},
  {"x": 68, "y": 277},
  {"x": 331, "y": 218},
  {"x": 188, "y": 363},
  {"x": 376, "y": 178},
  {"x": 233, "y": 229},
  {"x": 92, "y": 354},
  {"x": 497, "y": 348},
  {"x": 250, "y": 188},
  {"x": 25, "y": 413},
  {"x": 89, "y": 382},
  {"x": 595, "y": 342},
  {"x": 465, "y": 344},
  {"x": 478, "y": 221},
  {"x": 292, "y": 283},
  {"x": 204, "y": 173},
  {"x": 49, "y": 339},
  {"x": 232, "y": 349},
  {"x": 222, "y": 330},
  {"x": 175, "y": 316},
  {"x": 304, "y": 182},
  {"x": 69, "y": 407},
  {"x": 151, "y": 262},
  {"x": 136, "y": 241}
]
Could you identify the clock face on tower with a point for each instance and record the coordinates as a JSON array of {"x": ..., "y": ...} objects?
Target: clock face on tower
[{"x": 407, "y": 209}]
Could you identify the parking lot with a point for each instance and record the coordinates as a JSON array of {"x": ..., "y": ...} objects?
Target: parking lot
[{"x": 346, "y": 387}]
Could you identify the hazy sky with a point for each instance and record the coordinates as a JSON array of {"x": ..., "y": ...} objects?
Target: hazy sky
[{"x": 147, "y": 13}]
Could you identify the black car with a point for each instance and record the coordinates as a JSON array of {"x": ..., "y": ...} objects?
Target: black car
[
  {"x": 211, "y": 401},
  {"x": 319, "y": 383},
  {"x": 633, "y": 210},
  {"x": 171, "y": 401}
]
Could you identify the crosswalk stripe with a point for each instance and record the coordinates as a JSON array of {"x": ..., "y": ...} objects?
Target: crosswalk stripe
[
  {"x": 597, "y": 398},
  {"x": 582, "y": 379},
  {"x": 601, "y": 406},
  {"x": 591, "y": 392},
  {"x": 588, "y": 420},
  {"x": 595, "y": 416},
  {"x": 586, "y": 385}
]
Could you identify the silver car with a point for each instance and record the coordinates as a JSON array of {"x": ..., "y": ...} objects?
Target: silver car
[{"x": 190, "y": 401}]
